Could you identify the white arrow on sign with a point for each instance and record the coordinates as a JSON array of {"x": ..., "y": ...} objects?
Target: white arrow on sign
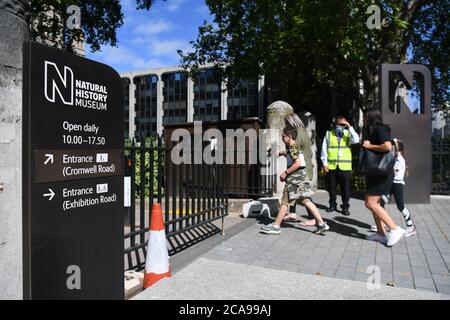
[
  {"x": 49, "y": 158},
  {"x": 51, "y": 194}
]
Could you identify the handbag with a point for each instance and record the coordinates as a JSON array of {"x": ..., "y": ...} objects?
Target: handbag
[{"x": 377, "y": 163}]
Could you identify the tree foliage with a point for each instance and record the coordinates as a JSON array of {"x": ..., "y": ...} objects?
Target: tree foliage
[
  {"x": 100, "y": 20},
  {"x": 310, "y": 49}
]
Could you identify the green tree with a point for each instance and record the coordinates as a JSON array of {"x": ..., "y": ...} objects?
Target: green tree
[
  {"x": 100, "y": 21},
  {"x": 311, "y": 49}
]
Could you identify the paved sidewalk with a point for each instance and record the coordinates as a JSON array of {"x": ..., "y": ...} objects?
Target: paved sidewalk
[
  {"x": 211, "y": 279},
  {"x": 420, "y": 262}
]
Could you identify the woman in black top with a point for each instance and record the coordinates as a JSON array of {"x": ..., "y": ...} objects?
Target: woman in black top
[{"x": 377, "y": 138}]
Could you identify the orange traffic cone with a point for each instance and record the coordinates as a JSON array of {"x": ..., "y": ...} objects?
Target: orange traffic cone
[{"x": 157, "y": 260}]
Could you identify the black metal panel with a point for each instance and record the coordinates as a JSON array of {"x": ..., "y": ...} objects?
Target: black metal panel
[{"x": 414, "y": 129}]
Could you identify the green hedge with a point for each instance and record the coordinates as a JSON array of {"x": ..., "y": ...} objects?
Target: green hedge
[{"x": 150, "y": 155}]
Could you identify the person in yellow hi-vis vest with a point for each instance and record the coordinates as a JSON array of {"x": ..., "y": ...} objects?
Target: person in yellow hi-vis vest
[{"x": 336, "y": 158}]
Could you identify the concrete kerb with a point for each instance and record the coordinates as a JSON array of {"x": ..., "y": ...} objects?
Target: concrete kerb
[{"x": 183, "y": 259}]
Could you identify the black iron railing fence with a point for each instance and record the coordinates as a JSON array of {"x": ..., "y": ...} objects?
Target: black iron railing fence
[
  {"x": 441, "y": 166},
  {"x": 192, "y": 196},
  {"x": 440, "y": 170}
]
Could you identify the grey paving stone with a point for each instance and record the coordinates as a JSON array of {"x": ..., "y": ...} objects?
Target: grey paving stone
[
  {"x": 316, "y": 258},
  {"x": 298, "y": 258},
  {"x": 418, "y": 263},
  {"x": 286, "y": 253},
  {"x": 350, "y": 256},
  {"x": 400, "y": 257},
  {"x": 347, "y": 271},
  {"x": 404, "y": 283},
  {"x": 439, "y": 269},
  {"x": 366, "y": 260},
  {"x": 362, "y": 268},
  {"x": 344, "y": 276},
  {"x": 246, "y": 260},
  {"x": 313, "y": 266},
  {"x": 367, "y": 253},
  {"x": 363, "y": 277},
  {"x": 384, "y": 267},
  {"x": 331, "y": 263},
  {"x": 443, "y": 289},
  {"x": 383, "y": 259},
  {"x": 436, "y": 261},
  {"x": 349, "y": 262},
  {"x": 306, "y": 271},
  {"x": 441, "y": 280},
  {"x": 424, "y": 282},
  {"x": 434, "y": 258},
  {"x": 403, "y": 265},
  {"x": 386, "y": 277},
  {"x": 326, "y": 273},
  {"x": 335, "y": 256},
  {"x": 426, "y": 289},
  {"x": 421, "y": 272},
  {"x": 260, "y": 262},
  {"x": 406, "y": 276},
  {"x": 290, "y": 267}
]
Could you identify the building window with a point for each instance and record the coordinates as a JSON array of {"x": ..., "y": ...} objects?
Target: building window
[
  {"x": 242, "y": 99},
  {"x": 207, "y": 96},
  {"x": 175, "y": 97},
  {"x": 145, "y": 107},
  {"x": 126, "y": 101}
]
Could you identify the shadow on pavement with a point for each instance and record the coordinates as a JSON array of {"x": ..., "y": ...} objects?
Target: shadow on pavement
[{"x": 354, "y": 222}]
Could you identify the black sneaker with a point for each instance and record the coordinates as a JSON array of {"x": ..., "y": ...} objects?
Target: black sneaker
[
  {"x": 331, "y": 209},
  {"x": 345, "y": 212}
]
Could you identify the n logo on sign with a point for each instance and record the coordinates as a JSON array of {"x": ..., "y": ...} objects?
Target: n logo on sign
[
  {"x": 55, "y": 81},
  {"x": 406, "y": 73}
]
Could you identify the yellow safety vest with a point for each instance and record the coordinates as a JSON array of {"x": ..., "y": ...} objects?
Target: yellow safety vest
[{"x": 342, "y": 148}]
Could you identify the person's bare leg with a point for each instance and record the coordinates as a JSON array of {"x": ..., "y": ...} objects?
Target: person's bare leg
[
  {"x": 308, "y": 223},
  {"x": 373, "y": 203},
  {"x": 281, "y": 213},
  {"x": 380, "y": 225},
  {"x": 314, "y": 211},
  {"x": 290, "y": 215}
]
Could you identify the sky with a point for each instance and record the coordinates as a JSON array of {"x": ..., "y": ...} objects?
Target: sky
[{"x": 150, "y": 39}]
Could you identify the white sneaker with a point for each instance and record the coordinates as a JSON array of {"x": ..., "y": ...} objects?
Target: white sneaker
[
  {"x": 394, "y": 236},
  {"x": 410, "y": 231},
  {"x": 377, "y": 237}
]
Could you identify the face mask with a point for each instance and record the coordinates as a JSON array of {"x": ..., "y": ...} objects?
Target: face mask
[{"x": 339, "y": 130}]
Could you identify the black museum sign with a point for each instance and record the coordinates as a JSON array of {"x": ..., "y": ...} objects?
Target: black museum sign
[{"x": 72, "y": 177}]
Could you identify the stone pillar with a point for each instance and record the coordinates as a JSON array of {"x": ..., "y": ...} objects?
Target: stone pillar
[
  {"x": 159, "y": 104},
  {"x": 261, "y": 88},
  {"x": 223, "y": 101},
  {"x": 310, "y": 123},
  {"x": 132, "y": 109},
  {"x": 13, "y": 31},
  {"x": 276, "y": 112},
  {"x": 190, "y": 100}
]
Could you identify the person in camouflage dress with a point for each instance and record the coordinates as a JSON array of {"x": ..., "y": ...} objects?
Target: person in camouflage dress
[{"x": 297, "y": 187}]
